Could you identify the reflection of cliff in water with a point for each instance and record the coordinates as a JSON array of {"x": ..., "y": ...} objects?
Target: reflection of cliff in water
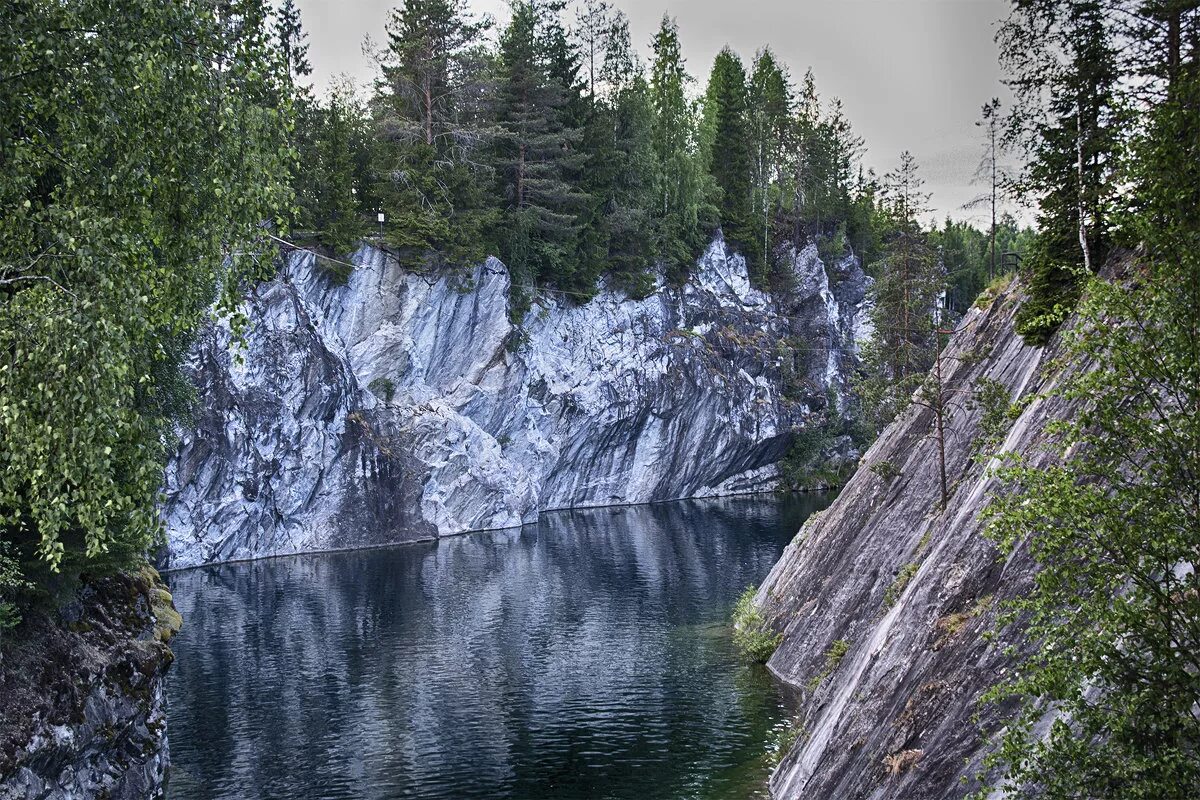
[{"x": 581, "y": 656}]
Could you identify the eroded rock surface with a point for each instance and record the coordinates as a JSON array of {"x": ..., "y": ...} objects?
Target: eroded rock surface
[
  {"x": 907, "y": 589},
  {"x": 399, "y": 407},
  {"x": 82, "y": 695}
]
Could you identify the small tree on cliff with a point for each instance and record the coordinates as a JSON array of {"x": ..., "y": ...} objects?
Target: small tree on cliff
[{"x": 905, "y": 311}]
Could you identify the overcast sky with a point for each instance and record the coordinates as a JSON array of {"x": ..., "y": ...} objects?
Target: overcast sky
[{"x": 911, "y": 73}]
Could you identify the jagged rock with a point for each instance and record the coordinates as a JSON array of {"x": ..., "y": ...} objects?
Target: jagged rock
[
  {"x": 397, "y": 407},
  {"x": 911, "y": 588},
  {"x": 82, "y": 693}
]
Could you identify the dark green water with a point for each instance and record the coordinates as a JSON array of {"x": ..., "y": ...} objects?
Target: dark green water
[{"x": 586, "y": 656}]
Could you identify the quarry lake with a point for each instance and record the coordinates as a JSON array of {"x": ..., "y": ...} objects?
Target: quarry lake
[{"x": 585, "y": 656}]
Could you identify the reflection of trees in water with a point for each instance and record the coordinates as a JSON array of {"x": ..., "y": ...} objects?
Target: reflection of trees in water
[{"x": 485, "y": 662}]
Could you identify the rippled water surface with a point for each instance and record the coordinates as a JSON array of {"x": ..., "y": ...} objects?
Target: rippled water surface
[{"x": 586, "y": 656}]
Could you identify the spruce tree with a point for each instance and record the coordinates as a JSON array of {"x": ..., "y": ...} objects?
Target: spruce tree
[
  {"x": 335, "y": 215},
  {"x": 617, "y": 227},
  {"x": 727, "y": 150},
  {"x": 905, "y": 296},
  {"x": 680, "y": 207},
  {"x": 431, "y": 144},
  {"x": 538, "y": 155}
]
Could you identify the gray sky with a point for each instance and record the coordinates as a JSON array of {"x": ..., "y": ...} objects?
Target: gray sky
[{"x": 911, "y": 73}]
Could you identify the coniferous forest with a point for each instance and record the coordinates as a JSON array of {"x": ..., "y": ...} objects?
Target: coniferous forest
[
  {"x": 553, "y": 145},
  {"x": 159, "y": 161}
]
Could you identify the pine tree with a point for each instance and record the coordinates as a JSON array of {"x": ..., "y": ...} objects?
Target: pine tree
[
  {"x": 992, "y": 173},
  {"x": 431, "y": 141},
  {"x": 727, "y": 151}
]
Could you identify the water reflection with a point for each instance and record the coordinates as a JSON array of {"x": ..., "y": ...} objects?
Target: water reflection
[{"x": 582, "y": 657}]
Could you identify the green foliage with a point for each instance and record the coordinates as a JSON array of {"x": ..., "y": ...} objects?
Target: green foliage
[
  {"x": 770, "y": 133},
  {"x": 998, "y": 286},
  {"x": 680, "y": 207},
  {"x": 1062, "y": 62},
  {"x": 992, "y": 397},
  {"x": 965, "y": 255},
  {"x": 900, "y": 583},
  {"x": 904, "y": 312},
  {"x": 553, "y": 149},
  {"x": 145, "y": 148},
  {"x": 1114, "y": 612},
  {"x": 537, "y": 152},
  {"x": 725, "y": 137},
  {"x": 383, "y": 388},
  {"x": 429, "y": 158},
  {"x": 752, "y": 637},
  {"x": 833, "y": 659},
  {"x": 12, "y": 587},
  {"x": 885, "y": 469}
]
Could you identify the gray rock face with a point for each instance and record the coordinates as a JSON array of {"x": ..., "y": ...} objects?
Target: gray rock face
[
  {"x": 84, "y": 712},
  {"x": 910, "y": 588},
  {"x": 400, "y": 407}
]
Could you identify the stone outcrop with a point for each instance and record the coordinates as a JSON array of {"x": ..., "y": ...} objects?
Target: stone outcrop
[
  {"x": 379, "y": 405},
  {"x": 883, "y": 599},
  {"x": 82, "y": 695}
]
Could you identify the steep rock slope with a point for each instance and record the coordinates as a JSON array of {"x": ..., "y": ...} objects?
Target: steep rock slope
[
  {"x": 399, "y": 407},
  {"x": 82, "y": 695},
  {"x": 884, "y": 598}
]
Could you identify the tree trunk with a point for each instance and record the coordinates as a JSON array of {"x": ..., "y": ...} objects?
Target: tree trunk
[
  {"x": 1080, "y": 202},
  {"x": 940, "y": 417}
]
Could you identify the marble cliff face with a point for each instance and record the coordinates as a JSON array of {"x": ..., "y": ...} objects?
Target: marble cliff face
[
  {"x": 394, "y": 406},
  {"x": 883, "y": 599}
]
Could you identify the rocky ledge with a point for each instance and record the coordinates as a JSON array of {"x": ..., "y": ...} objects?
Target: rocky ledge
[
  {"x": 375, "y": 405},
  {"x": 82, "y": 695},
  {"x": 883, "y": 600}
]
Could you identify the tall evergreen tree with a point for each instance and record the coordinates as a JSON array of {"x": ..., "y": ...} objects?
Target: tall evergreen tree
[
  {"x": 617, "y": 234},
  {"x": 538, "y": 153},
  {"x": 1067, "y": 119},
  {"x": 339, "y": 134},
  {"x": 680, "y": 206},
  {"x": 727, "y": 151},
  {"x": 905, "y": 297},
  {"x": 770, "y": 121},
  {"x": 431, "y": 143}
]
